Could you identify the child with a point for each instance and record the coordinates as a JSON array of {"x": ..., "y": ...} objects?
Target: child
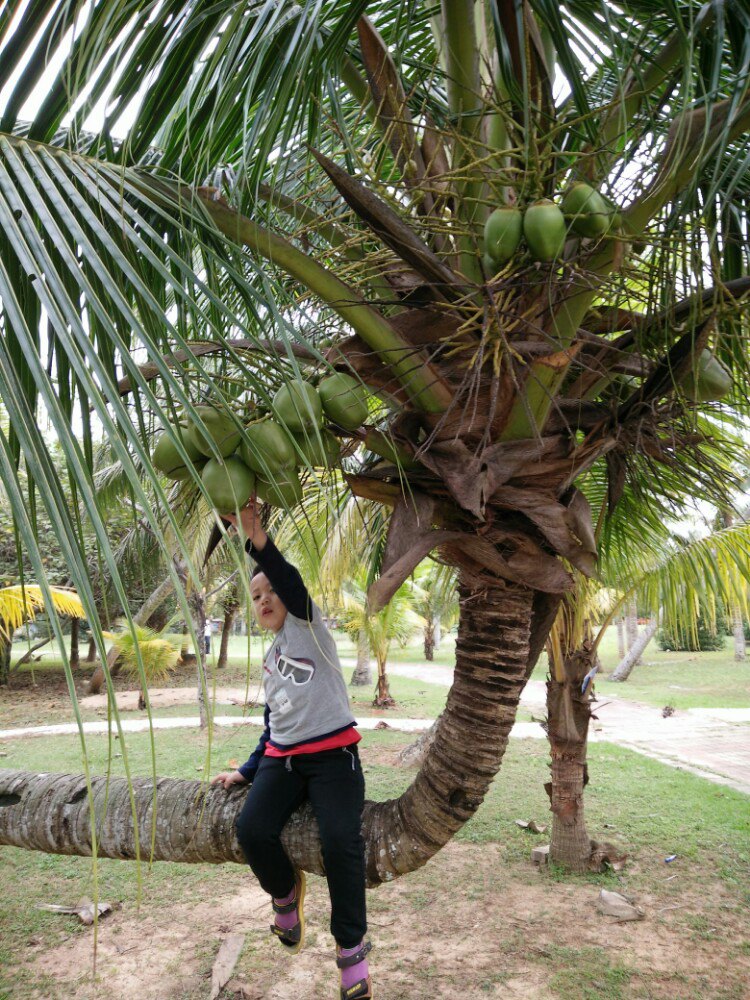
[{"x": 307, "y": 751}]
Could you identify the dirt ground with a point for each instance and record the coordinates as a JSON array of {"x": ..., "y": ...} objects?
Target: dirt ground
[
  {"x": 468, "y": 924},
  {"x": 462, "y": 927}
]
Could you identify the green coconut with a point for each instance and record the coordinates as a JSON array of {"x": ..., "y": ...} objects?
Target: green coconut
[
  {"x": 167, "y": 459},
  {"x": 320, "y": 448},
  {"x": 229, "y": 483},
  {"x": 489, "y": 265},
  {"x": 344, "y": 400},
  {"x": 545, "y": 230},
  {"x": 298, "y": 407},
  {"x": 502, "y": 234},
  {"x": 223, "y": 435},
  {"x": 708, "y": 380},
  {"x": 268, "y": 450},
  {"x": 586, "y": 211},
  {"x": 284, "y": 491}
]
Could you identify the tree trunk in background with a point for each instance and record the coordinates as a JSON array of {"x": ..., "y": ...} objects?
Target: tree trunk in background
[
  {"x": 437, "y": 634},
  {"x": 197, "y": 601},
  {"x": 631, "y": 625},
  {"x": 568, "y": 715},
  {"x": 362, "y": 676},
  {"x": 633, "y": 656},
  {"x": 383, "y": 697},
  {"x": 494, "y": 652},
  {"x": 429, "y": 639},
  {"x": 738, "y": 630},
  {"x": 226, "y": 631},
  {"x": 5, "y": 653},
  {"x": 75, "y": 660},
  {"x": 621, "y": 638},
  {"x": 91, "y": 654}
]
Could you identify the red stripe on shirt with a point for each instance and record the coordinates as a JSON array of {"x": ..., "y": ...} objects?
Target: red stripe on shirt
[{"x": 344, "y": 739}]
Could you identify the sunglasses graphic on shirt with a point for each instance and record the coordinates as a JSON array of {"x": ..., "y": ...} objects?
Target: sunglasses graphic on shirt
[{"x": 297, "y": 671}]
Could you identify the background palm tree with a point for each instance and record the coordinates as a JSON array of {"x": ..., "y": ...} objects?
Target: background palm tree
[
  {"x": 660, "y": 573},
  {"x": 145, "y": 654},
  {"x": 502, "y": 382},
  {"x": 396, "y": 622},
  {"x": 434, "y": 598}
]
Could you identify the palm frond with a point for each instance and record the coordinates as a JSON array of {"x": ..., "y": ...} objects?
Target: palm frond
[{"x": 22, "y": 603}]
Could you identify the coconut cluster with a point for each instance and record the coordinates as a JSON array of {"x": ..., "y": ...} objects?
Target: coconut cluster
[
  {"x": 265, "y": 459},
  {"x": 545, "y": 226}
]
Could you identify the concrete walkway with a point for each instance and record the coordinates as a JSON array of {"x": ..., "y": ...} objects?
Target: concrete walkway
[
  {"x": 711, "y": 742},
  {"x": 714, "y": 743}
]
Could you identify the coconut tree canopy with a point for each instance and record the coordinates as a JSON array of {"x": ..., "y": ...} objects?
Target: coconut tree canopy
[{"x": 522, "y": 225}]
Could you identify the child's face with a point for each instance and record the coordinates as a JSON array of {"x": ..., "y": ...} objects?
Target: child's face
[{"x": 269, "y": 611}]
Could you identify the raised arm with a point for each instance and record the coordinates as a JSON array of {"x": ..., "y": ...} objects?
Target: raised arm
[{"x": 284, "y": 577}]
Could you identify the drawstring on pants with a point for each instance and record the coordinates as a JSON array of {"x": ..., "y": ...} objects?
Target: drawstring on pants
[{"x": 346, "y": 750}]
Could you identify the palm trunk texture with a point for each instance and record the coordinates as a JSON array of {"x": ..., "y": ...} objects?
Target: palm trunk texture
[
  {"x": 383, "y": 697},
  {"x": 195, "y": 822},
  {"x": 621, "y": 650},
  {"x": 5, "y": 653},
  {"x": 738, "y": 631},
  {"x": 429, "y": 640},
  {"x": 631, "y": 625},
  {"x": 75, "y": 660},
  {"x": 568, "y": 714},
  {"x": 362, "y": 676},
  {"x": 229, "y": 616}
]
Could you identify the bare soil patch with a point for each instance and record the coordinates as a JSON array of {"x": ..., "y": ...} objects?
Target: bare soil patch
[{"x": 464, "y": 926}]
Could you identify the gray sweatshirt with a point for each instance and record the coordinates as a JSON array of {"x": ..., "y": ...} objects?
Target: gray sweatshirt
[{"x": 306, "y": 696}]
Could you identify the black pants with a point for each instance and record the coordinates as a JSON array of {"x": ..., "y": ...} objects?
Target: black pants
[{"x": 333, "y": 782}]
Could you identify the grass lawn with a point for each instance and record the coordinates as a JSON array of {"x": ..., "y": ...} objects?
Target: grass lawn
[
  {"x": 683, "y": 680},
  {"x": 541, "y": 935}
]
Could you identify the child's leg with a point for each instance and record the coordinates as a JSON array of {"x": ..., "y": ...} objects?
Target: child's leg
[
  {"x": 336, "y": 789},
  {"x": 274, "y": 795}
]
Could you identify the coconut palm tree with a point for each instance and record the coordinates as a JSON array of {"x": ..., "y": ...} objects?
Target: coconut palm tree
[
  {"x": 147, "y": 654},
  {"x": 396, "y": 622},
  {"x": 268, "y": 175},
  {"x": 434, "y": 598},
  {"x": 660, "y": 572}
]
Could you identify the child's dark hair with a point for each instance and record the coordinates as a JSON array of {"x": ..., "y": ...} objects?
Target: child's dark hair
[{"x": 258, "y": 569}]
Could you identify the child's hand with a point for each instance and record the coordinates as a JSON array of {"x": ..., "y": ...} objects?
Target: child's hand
[
  {"x": 250, "y": 520},
  {"x": 229, "y": 778}
]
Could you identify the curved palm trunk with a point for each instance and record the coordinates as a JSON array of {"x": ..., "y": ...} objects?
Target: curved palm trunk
[
  {"x": 195, "y": 822},
  {"x": 568, "y": 714},
  {"x": 624, "y": 667}
]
